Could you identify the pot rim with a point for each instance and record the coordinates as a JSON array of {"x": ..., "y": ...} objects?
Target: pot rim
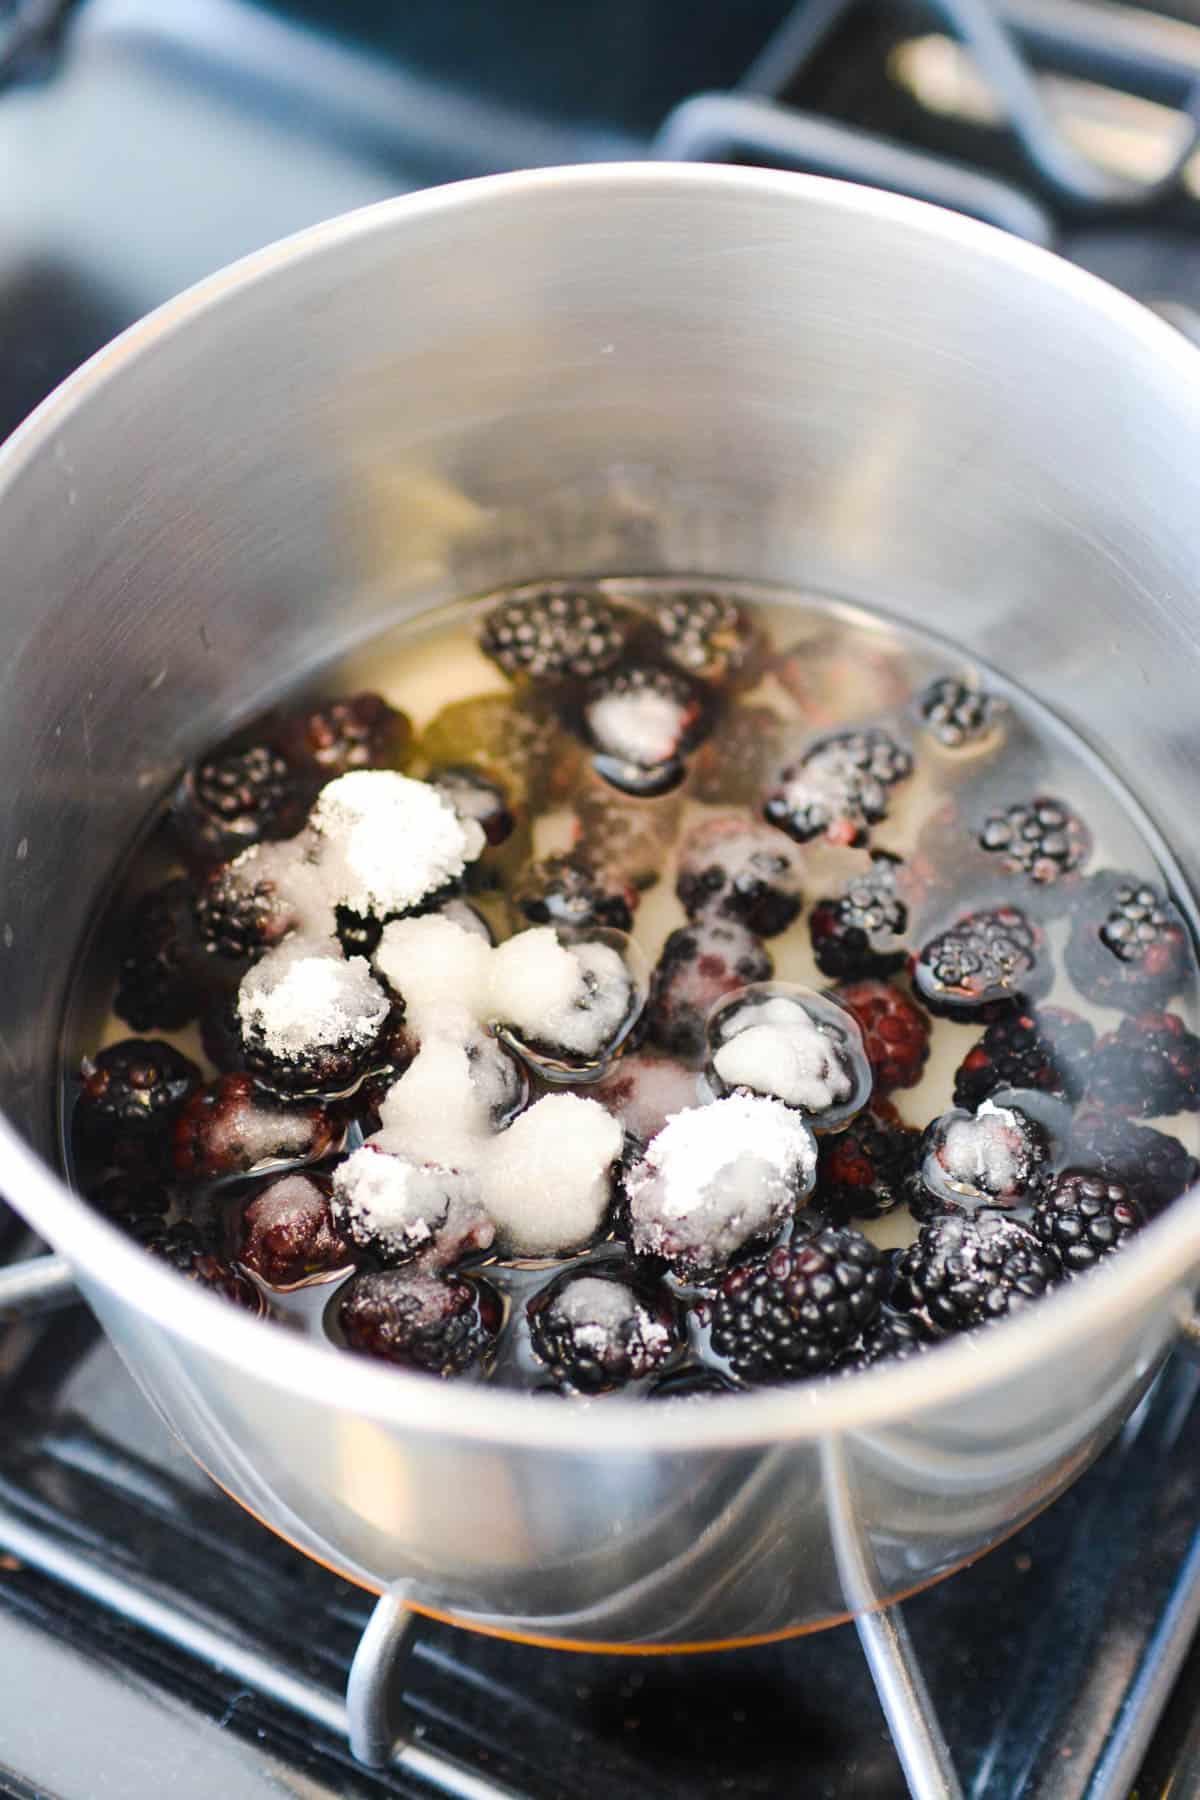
[{"x": 1156, "y": 1267}]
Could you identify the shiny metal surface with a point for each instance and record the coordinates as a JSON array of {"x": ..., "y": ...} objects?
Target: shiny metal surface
[{"x": 719, "y": 371}]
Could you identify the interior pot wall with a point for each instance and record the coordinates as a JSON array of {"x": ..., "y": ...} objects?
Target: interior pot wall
[{"x": 649, "y": 370}]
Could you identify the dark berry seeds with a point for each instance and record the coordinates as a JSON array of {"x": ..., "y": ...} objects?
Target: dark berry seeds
[
  {"x": 985, "y": 964},
  {"x": 958, "y": 714},
  {"x": 554, "y": 632}
]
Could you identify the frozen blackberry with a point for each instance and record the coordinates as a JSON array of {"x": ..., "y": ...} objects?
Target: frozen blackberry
[
  {"x": 235, "y": 799},
  {"x": 965, "y": 1271},
  {"x": 566, "y": 1003},
  {"x": 641, "y": 722},
  {"x": 839, "y": 788},
  {"x": 136, "y": 1086},
  {"x": 474, "y": 795},
  {"x": 642, "y": 1091},
  {"x": 1153, "y": 1166},
  {"x": 1149, "y": 1067},
  {"x": 594, "y": 1332},
  {"x": 627, "y": 841},
  {"x": 731, "y": 768},
  {"x": 1040, "y": 838},
  {"x": 240, "y": 914},
  {"x": 555, "y": 632},
  {"x": 895, "y": 1031},
  {"x": 523, "y": 748},
  {"x": 861, "y": 931},
  {"x": 995, "y": 1156},
  {"x": 717, "y": 1179},
  {"x": 958, "y": 714},
  {"x": 233, "y": 1126},
  {"x": 430, "y": 1322},
  {"x": 790, "y": 1044},
  {"x": 890, "y": 1337},
  {"x": 563, "y": 891},
  {"x": 192, "y": 1252},
  {"x": 1044, "y": 1050},
  {"x": 706, "y": 634},
  {"x": 1129, "y": 946},
  {"x": 1084, "y": 1217},
  {"x": 399, "y": 1207},
  {"x": 864, "y": 1171},
  {"x": 286, "y": 1233},
  {"x": 158, "y": 982},
  {"x": 309, "y": 1021},
  {"x": 794, "y": 1314},
  {"x": 700, "y": 964},
  {"x": 984, "y": 965},
  {"x": 363, "y": 732},
  {"x": 732, "y": 867}
]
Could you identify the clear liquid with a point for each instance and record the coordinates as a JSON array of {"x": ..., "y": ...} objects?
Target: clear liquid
[{"x": 832, "y": 666}]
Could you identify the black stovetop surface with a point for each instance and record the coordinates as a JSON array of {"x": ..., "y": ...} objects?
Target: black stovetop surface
[{"x": 145, "y": 146}]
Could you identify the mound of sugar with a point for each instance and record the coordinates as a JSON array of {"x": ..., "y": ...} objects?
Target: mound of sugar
[
  {"x": 385, "y": 842},
  {"x": 547, "y": 1180},
  {"x": 608, "y": 1322},
  {"x": 641, "y": 726},
  {"x": 991, "y": 1154},
  {"x": 433, "y": 962},
  {"x": 793, "y": 1060},
  {"x": 304, "y": 996},
  {"x": 717, "y": 1177},
  {"x": 451, "y": 1097},
  {"x": 402, "y": 1209},
  {"x": 570, "y": 997}
]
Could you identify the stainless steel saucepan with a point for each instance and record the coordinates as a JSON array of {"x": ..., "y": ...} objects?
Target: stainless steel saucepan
[{"x": 610, "y": 370}]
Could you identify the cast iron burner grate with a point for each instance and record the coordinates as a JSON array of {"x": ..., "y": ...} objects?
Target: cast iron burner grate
[{"x": 1049, "y": 1663}]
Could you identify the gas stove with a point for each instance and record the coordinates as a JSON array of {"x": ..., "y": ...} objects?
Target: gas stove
[{"x": 152, "y": 1636}]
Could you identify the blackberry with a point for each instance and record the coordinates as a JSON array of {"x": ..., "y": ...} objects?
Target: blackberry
[
  {"x": 793, "y": 1045},
  {"x": 895, "y": 1031},
  {"x": 474, "y": 795},
  {"x": 890, "y": 1337},
  {"x": 237, "y": 798},
  {"x": 993, "y": 1157},
  {"x": 523, "y": 748},
  {"x": 420, "y": 1321},
  {"x": 309, "y": 1022},
  {"x": 706, "y": 634},
  {"x": 1040, "y": 838},
  {"x": 735, "y": 868},
  {"x": 957, "y": 714},
  {"x": 1149, "y": 1067},
  {"x": 839, "y": 788},
  {"x": 192, "y": 1252},
  {"x": 233, "y": 1126},
  {"x": 158, "y": 983},
  {"x": 1152, "y": 1165},
  {"x": 1129, "y": 946},
  {"x": 239, "y": 915},
  {"x": 1043, "y": 1050},
  {"x": 700, "y": 964},
  {"x": 985, "y": 964},
  {"x": 286, "y": 1233},
  {"x": 625, "y": 840},
  {"x": 555, "y": 632},
  {"x": 641, "y": 723},
  {"x": 136, "y": 1086},
  {"x": 865, "y": 1171},
  {"x": 1084, "y": 1217},
  {"x": 563, "y": 890},
  {"x": 594, "y": 1332},
  {"x": 861, "y": 931},
  {"x": 964, "y": 1271},
  {"x": 363, "y": 732},
  {"x": 732, "y": 768},
  {"x": 792, "y": 1315}
]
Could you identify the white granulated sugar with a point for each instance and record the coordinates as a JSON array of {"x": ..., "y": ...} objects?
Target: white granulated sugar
[
  {"x": 436, "y": 1111},
  {"x": 386, "y": 841},
  {"x": 285, "y": 869},
  {"x": 795, "y": 1062},
  {"x": 988, "y": 1153},
  {"x": 547, "y": 1179},
  {"x": 390, "y": 1202},
  {"x": 641, "y": 727},
  {"x": 432, "y": 962},
  {"x": 571, "y": 997},
  {"x": 717, "y": 1177},
  {"x": 305, "y": 996}
]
